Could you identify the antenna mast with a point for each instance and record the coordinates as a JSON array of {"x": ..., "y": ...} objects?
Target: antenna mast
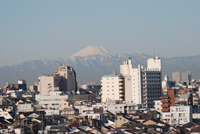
[{"x": 154, "y": 52}]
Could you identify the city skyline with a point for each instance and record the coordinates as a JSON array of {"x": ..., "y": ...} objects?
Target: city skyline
[{"x": 32, "y": 30}]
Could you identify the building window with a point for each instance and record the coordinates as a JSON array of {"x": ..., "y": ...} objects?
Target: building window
[{"x": 115, "y": 107}]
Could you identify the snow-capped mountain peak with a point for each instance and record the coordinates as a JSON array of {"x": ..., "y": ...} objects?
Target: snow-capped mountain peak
[{"x": 92, "y": 50}]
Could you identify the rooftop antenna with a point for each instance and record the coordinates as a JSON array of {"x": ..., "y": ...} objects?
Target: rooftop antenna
[{"x": 154, "y": 52}]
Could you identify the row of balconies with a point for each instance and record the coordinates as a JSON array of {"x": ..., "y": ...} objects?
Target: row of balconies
[{"x": 164, "y": 101}]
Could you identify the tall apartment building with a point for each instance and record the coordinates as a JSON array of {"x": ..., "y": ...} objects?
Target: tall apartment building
[
  {"x": 141, "y": 86},
  {"x": 63, "y": 79},
  {"x": 145, "y": 84},
  {"x": 112, "y": 87},
  {"x": 181, "y": 76}
]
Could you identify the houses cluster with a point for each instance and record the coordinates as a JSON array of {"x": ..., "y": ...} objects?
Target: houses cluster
[{"x": 134, "y": 101}]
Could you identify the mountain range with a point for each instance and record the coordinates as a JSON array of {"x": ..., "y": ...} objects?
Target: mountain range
[{"x": 91, "y": 64}]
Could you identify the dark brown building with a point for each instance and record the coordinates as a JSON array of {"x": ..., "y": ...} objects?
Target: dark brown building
[{"x": 168, "y": 100}]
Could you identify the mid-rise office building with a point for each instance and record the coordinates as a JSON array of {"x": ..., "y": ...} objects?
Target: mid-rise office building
[
  {"x": 22, "y": 85},
  {"x": 181, "y": 76},
  {"x": 112, "y": 87},
  {"x": 180, "y": 115},
  {"x": 63, "y": 79}
]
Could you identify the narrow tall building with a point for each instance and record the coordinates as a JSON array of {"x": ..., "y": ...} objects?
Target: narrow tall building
[
  {"x": 126, "y": 72},
  {"x": 168, "y": 100}
]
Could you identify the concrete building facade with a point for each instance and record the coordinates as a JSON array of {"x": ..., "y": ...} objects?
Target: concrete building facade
[
  {"x": 145, "y": 84},
  {"x": 135, "y": 85},
  {"x": 53, "y": 101},
  {"x": 181, "y": 76},
  {"x": 63, "y": 79},
  {"x": 22, "y": 85},
  {"x": 180, "y": 115},
  {"x": 112, "y": 87},
  {"x": 168, "y": 100}
]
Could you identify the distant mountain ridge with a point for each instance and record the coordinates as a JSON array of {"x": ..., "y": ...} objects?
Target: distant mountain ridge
[{"x": 92, "y": 65}]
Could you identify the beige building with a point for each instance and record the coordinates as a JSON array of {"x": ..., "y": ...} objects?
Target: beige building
[
  {"x": 63, "y": 79},
  {"x": 112, "y": 87},
  {"x": 46, "y": 84},
  {"x": 120, "y": 120},
  {"x": 64, "y": 104}
]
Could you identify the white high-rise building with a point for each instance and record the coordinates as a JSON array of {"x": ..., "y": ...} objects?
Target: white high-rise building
[
  {"x": 142, "y": 86},
  {"x": 126, "y": 72},
  {"x": 112, "y": 87}
]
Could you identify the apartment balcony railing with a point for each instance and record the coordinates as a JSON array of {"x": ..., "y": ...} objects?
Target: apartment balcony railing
[
  {"x": 121, "y": 84},
  {"x": 145, "y": 90},
  {"x": 145, "y": 94},
  {"x": 165, "y": 110},
  {"x": 121, "y": 91},
  {"x": 120, "y": 80},
  {"x": 121, "y": 87},
  {"x": 165, "y": 101},
  {"x": 164, "y": 97},
  {"x": 165, "y": 105}
]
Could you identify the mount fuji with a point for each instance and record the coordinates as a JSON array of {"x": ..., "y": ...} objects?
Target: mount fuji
[{"x": 91, "y": 64}]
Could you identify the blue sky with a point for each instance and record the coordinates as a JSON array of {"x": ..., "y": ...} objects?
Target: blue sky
[{"x": 36, "y": 29}]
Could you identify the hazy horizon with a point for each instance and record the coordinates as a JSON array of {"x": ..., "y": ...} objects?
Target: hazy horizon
[{"x": 32, "y": 30}]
